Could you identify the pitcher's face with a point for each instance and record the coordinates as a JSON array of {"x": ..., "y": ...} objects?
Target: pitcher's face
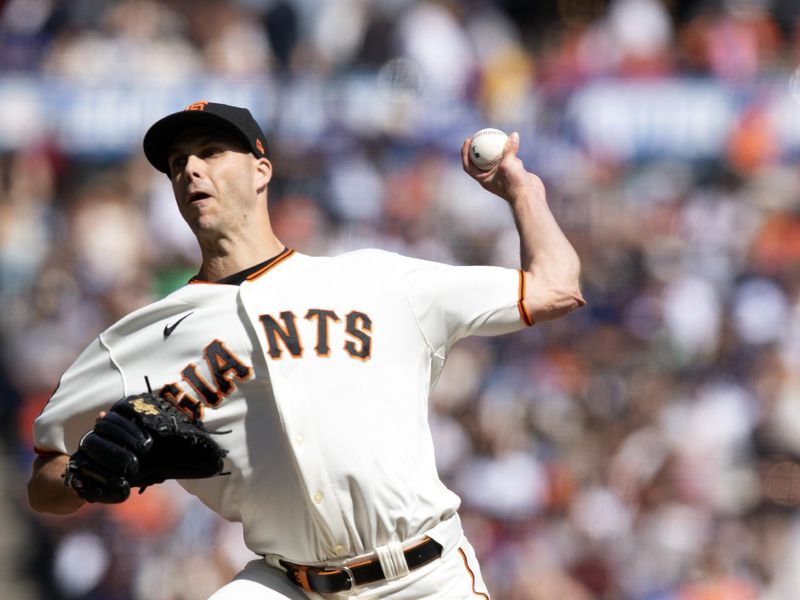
[{"x": 216, "y": 180}]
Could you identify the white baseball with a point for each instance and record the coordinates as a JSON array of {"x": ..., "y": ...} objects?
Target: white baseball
[{"x": 486, "y": 148}]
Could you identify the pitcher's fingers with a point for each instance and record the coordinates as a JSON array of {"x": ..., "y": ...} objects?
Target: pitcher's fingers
[
  {"x": 470, "y": 168},
  {"x": 100, "y": 415},
  {"x": 511, "y": 148},
  {"x": 465, "y": 154}
]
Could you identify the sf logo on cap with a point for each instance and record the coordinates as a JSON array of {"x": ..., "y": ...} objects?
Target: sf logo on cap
[{"x": 197, "y": 105}]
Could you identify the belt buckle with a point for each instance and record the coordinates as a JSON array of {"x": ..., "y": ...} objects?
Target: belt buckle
[{"x": 350, "y": 577}]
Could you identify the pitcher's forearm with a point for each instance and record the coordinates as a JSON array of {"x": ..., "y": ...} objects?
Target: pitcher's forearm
[
  {"x": 543, "y": 244},
  {"x": 46, "y": 490},
  {"x": 546, "y": 255}
]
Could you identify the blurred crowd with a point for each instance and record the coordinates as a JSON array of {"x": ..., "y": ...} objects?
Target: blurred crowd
[{"x": 644, "y": 448}]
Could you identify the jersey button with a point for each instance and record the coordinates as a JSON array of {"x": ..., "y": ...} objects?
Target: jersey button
[
  {"x": 298, "y": 439},
  {"x": 339, "y": 549},
  {"x": 318, "y": 498}
]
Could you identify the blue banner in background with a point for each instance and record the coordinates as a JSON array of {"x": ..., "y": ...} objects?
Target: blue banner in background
[
  {"x": 99, "y": 119},
  {"x": 682, "y": 118},
  {"x": 688, "y": 119}
]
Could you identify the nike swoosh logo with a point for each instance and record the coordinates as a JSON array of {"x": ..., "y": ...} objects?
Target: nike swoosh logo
[{"x": 168, "y": 329}]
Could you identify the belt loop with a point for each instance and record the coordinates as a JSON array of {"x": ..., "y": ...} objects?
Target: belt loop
[{"x": 393, "y": 560}]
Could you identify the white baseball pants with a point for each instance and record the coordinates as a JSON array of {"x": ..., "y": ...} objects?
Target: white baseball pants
[{"x": 454, "y": 576}]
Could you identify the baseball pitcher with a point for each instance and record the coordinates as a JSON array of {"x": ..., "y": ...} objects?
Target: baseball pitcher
[{"x": 318, "y": 368}]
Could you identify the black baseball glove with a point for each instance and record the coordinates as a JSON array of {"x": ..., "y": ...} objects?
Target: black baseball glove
[{"x": 142, "y": 440}]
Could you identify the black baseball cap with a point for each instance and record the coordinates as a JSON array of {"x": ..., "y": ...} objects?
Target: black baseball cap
[{"x": 233, "y": 119}]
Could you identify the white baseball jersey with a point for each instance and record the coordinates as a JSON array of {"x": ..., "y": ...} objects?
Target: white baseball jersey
[{"x": 322, "y": 368}]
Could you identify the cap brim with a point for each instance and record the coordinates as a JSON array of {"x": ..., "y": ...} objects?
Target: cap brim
[{"x": 161, "y": 135}]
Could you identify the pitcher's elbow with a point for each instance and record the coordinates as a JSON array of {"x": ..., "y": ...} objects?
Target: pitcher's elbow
[
  {"x": 562, "y": 302},
  {"x": 577, "y": 299},
  {"x": 567, "y": 303}
]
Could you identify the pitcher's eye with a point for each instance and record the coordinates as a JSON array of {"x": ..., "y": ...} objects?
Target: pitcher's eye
[
  {"x": 176, "y": 164},
  {"x": 209, "y": 151}
]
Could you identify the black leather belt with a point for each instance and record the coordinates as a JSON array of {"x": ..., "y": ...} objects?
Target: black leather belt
[{"x": 329, "y": 580}]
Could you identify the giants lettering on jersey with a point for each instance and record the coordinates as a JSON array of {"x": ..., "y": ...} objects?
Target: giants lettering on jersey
[
  {"x": 225, "y": 368},
  {"x": 283, "y": 334}
]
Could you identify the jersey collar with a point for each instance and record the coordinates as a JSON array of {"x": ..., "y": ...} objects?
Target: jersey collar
[{"x": 249, "y": 273}]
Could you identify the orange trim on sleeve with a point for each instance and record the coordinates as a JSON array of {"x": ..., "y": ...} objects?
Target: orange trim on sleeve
[
  {"x": 43, "y": 452},
  {"x": 271, "y": 265},
  {"x": 523, "y": 310}
]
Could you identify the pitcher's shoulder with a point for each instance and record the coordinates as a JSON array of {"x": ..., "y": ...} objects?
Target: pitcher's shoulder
[
  {"x": 367, "y": 257},
  {"x": 180, "y": 301}
]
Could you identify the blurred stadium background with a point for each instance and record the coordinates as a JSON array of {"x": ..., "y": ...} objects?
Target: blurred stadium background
[{"x": 645, "y": 448}]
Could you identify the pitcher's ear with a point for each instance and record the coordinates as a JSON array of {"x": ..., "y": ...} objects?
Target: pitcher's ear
[{"x": 264, "y": 170}]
